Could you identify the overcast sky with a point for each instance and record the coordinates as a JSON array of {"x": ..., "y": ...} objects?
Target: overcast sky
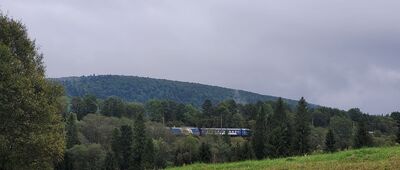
[{"x": 338, "y": 53}]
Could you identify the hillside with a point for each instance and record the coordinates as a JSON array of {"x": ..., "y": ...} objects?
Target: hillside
[
  {"x": 140, "y": 89},
  {"x": 370, "y": 158}
]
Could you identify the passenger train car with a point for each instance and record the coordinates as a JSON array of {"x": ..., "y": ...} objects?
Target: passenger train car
[{"x": 243, "y": 132}]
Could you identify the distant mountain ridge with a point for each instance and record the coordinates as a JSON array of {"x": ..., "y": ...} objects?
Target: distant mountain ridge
[{"x": 142, "y": 89}]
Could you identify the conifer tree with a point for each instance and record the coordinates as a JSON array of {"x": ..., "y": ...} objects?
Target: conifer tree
[
  {"x": 205, "y": 152},
  {"x": 122, "y": 146},
  {"x": 362, "y": 138},
  {"x": 139, "y": 140},
  {"x": 247, "y": 151},
  {"x": 110, "y": 163},
  {"x": 330, "y": 142},
  {"x": 396, "y": 117},
  {"x": 279, "y": 138},
  {"x": 148, "y": 156},
  {"x": 207, "y": 108},
  {"x": 302, "y": 128},
  {"x": 259, "y": 134},
  {"x": 72, "y": 131}
]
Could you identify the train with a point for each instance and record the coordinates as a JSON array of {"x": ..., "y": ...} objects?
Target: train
[{"x": 234, "y": 132}]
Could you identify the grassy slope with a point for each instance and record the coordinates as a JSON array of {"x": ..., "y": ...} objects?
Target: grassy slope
[{"x": 369, "y": 158}]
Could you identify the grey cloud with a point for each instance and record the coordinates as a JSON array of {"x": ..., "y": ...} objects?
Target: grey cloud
[{"x": 339, "y": 53}]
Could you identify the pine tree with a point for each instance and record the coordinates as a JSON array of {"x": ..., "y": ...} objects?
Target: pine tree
[
  {"x": 205, "y": 153},
  {"x": 247, "y": 151},
  {"x": 207, "y": 108},
  {"x": 122, "y": 146},
  {"x": 139, "y": 141},
  {"x": 330, "y": 142},
  {"x": 110, "y": 163},
  {"x": 236, "y": 151},
  {"x": 72, "y": 131},
  {"x": 398, "y": 132},
  {"x": 31, "y": 130},
  {"x": 362, "y": 138},
  {"x": 259, "y": 134},
  {"x": 279, "y": 138},
  {"x": 302, "y": 125},
  {"x": 148, "y": 156},
  {"x": 396, "y": 117}
]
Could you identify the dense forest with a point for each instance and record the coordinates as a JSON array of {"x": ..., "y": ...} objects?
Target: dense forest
[
  {"x": 277, "y": 131},
  {"x": 140, "y": 89},
  {"x": 42, "y": 128}
]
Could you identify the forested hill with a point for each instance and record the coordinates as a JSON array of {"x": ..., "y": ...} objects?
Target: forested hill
[{"x": 140, "y": 89}]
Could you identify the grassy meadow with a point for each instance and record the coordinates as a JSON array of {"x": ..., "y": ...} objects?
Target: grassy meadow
[{"x": 368, "y": 158}]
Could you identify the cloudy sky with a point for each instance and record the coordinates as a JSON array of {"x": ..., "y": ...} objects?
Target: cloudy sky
[{"x": 338, "y": 53}]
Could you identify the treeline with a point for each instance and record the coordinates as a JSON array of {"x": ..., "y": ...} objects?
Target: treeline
[
  {"x": 141, "y": 89},
  {"x": 278, "y": 130}
]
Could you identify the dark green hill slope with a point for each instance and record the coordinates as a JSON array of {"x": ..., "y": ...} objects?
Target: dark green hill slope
[{"x": 140, "y": 89}]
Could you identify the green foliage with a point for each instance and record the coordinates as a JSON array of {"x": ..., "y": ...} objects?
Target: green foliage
[
  {"x": 110, "y": 162},
  {"x": 86, "y": 157},
  {"x": 207, "y": 107},
  {"x": 83, "y": 106},
  {"x": 161, "y": 154},
  {"x": 396, "y": 117},
  {"x": 260, "y": 132},
  {"x": 139, "y": 89},
  {"x": 280, "y": 136},
  {"x": 343, "y": 129},
  {"x": 139, "y": 144},
  {"x": 72, "y": 131},
  {"x": 113, "y": 106},
  {"x": 362, "y": 138},
  {"x": 31, "y": 130},
  {"x": 133, "y": 109},
  {"x": 186, "y": 151},
  {"x": 205, "y": 153},
  {"x": 247, "y": 151},
  {"x": 148, "y": 155},
  {"x": 330, "y": 142},
  {"x": 122, "y": 146},
  {"x": 302, "y": 129},
  {"x": 96, "y": 128}
]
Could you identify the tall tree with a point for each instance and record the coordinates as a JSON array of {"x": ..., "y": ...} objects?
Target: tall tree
[
  {"x": 148, "y": 155},
  {"x": 362, "y": 138},
  {"x": 113, "y": 106},
  {"x": 247, "y": 151},
  {"x": 259, "y": 136},
  {"x": 122, "y": 146},
  {"x": 279, "y": 138},
  {"x": 110, "y": 162},
  {"x": 330, "y": 142},
  {"x": 205, "y": 152},
  {"x": 207, "y": 108},
  {"x": 139, "y": 140},
  {"x": 396, "y": 117},
  {"x": 72, "y": 131},
  {"x": 302, "y": 128},
  {"x": 90, "y": 103},
  {"x": 77, "y": 106},
  {"x": 31, "y": 129},
  {"x": 343, "y": 129}
]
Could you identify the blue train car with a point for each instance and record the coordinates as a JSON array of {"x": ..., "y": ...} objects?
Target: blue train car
[{"x": 242, "y": 132}]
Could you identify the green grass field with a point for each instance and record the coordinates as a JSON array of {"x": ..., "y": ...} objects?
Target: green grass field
[{"x": 369, "y": 158}]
